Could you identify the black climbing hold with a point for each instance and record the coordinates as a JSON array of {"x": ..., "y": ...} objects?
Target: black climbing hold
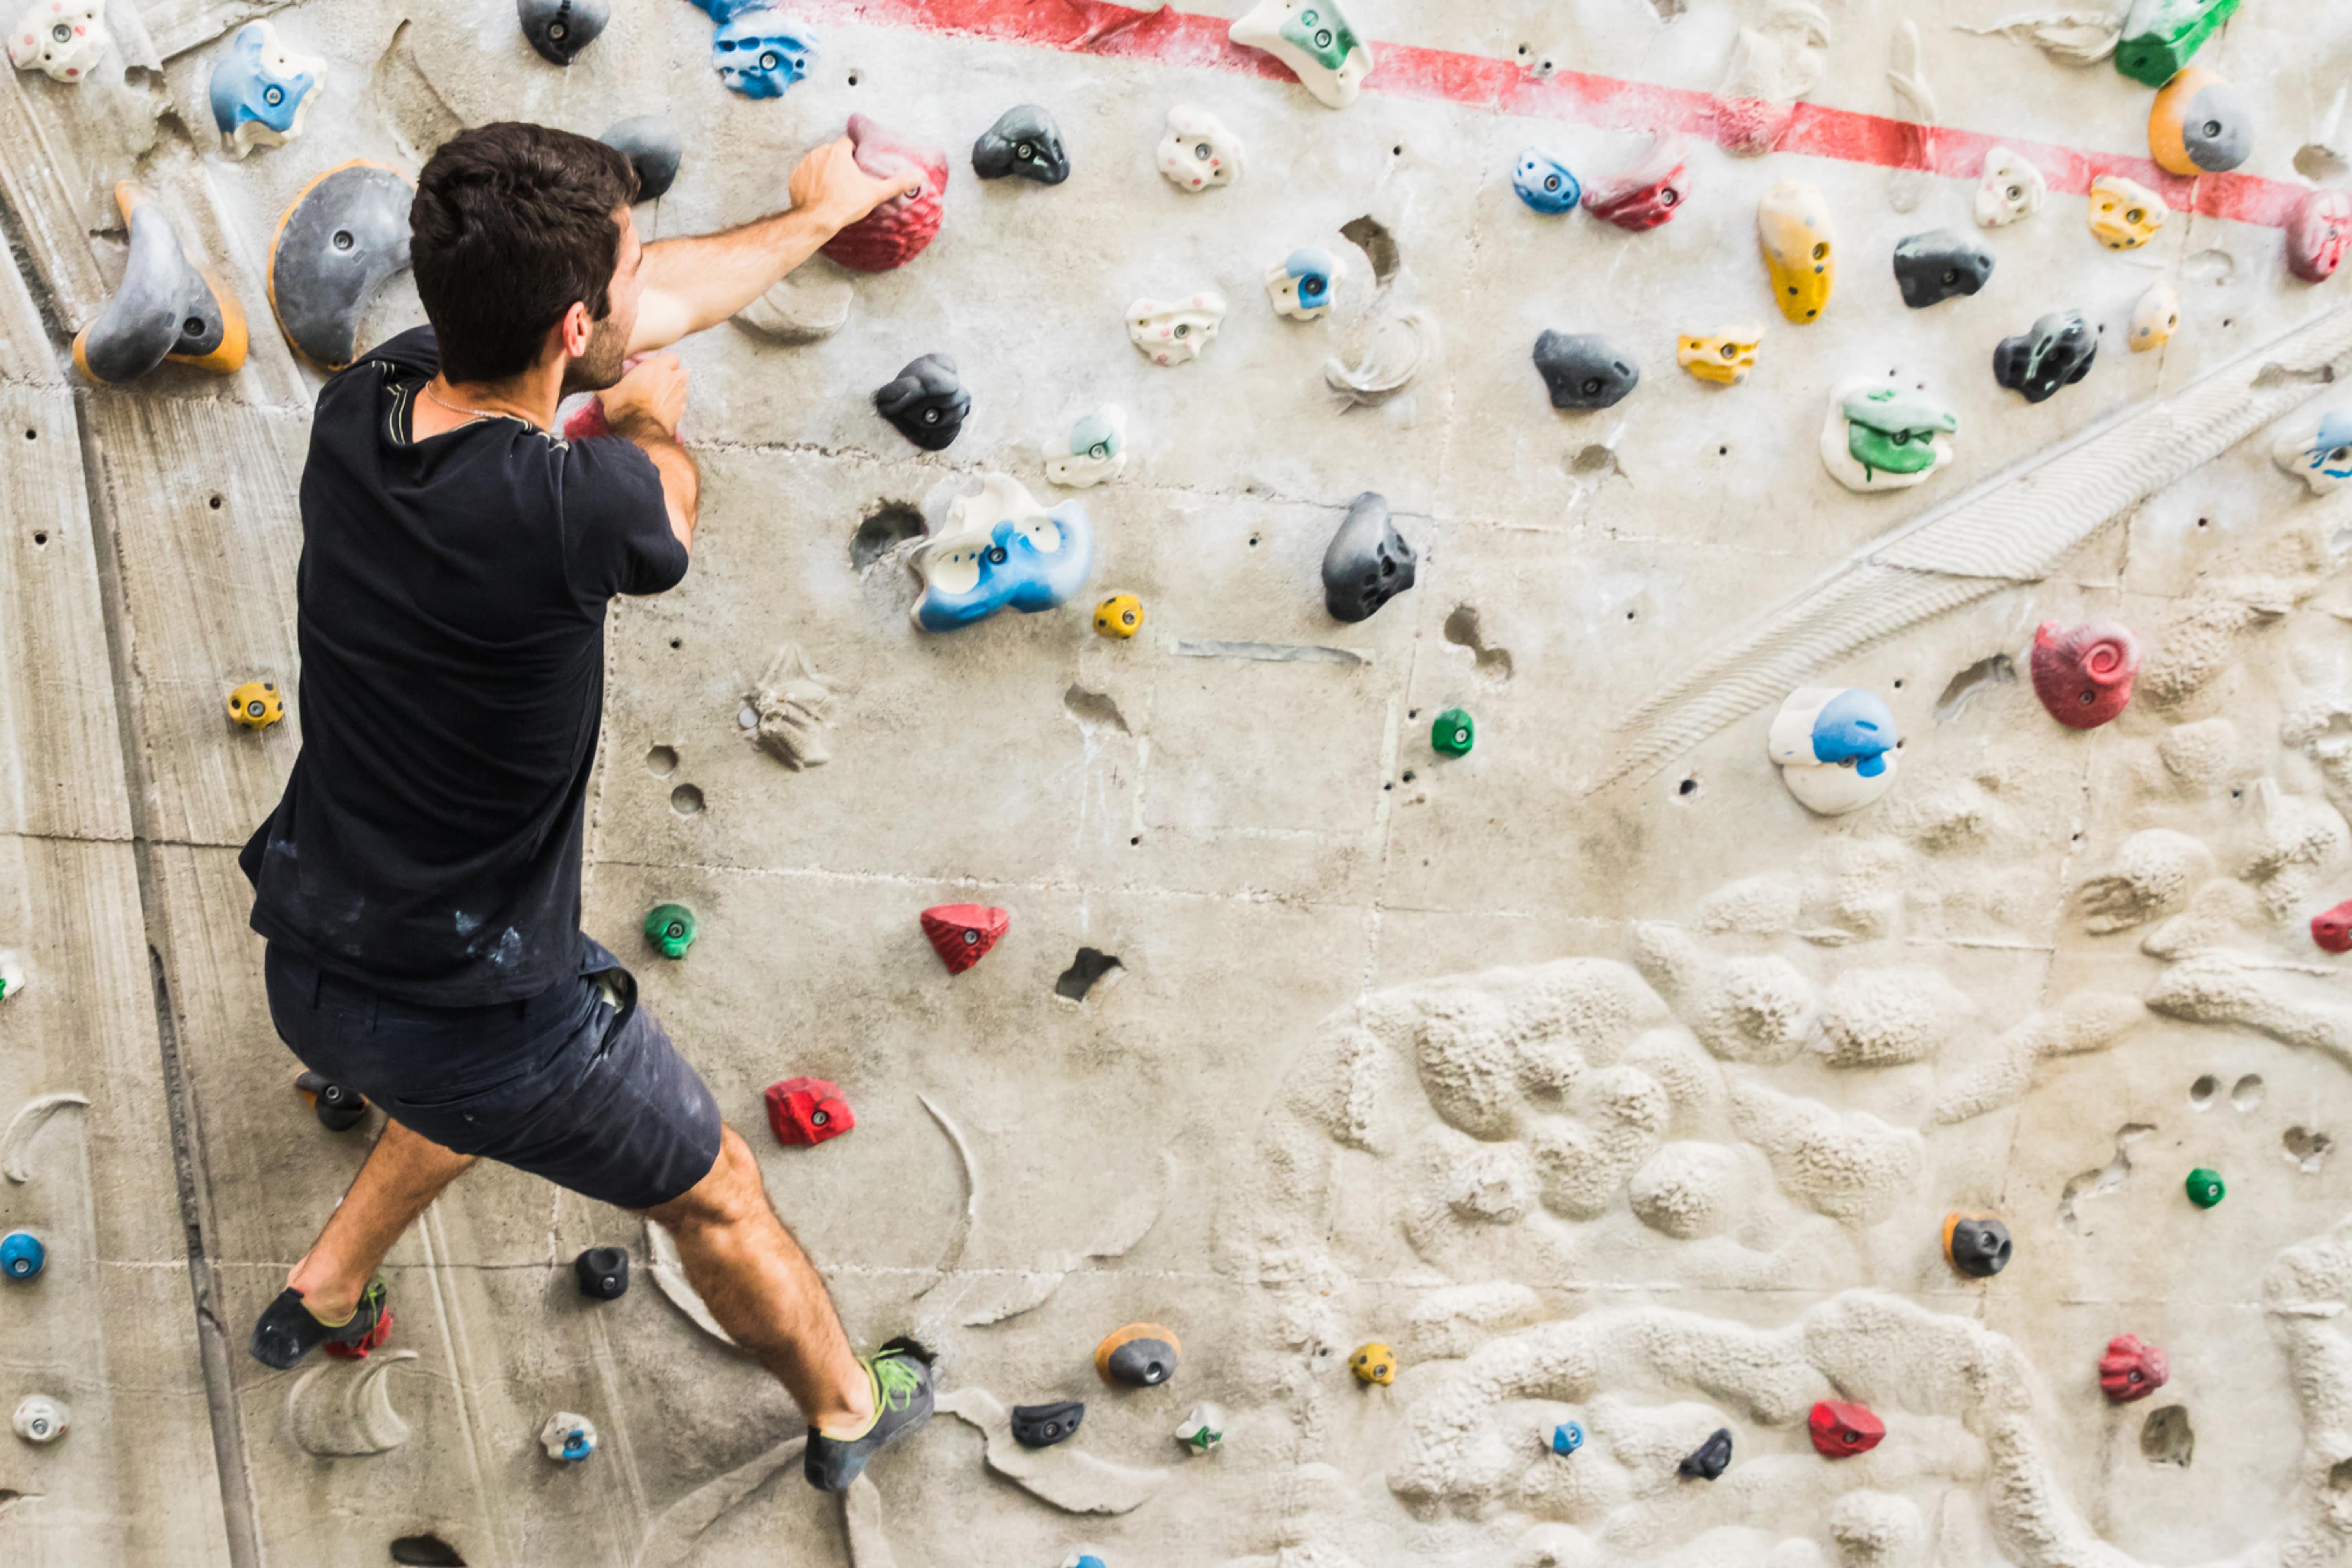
[
  {"x": 1367, "y": 561},
  {"x": 926, "y": 403},
  {"x": 1043, "y": 1425},
  {"x": 560, "y": 29},
  {"x": 166, "y": 307},
  {"x": 425, "y": 1552},
  {"x": 1025, "y": 140},
  {"x": 1935, "y": 267},
  {"x": 1712, "y": 1458},
  {"x": 1977, "y": 1245},
  {"x": 1585, "y": 369},
  {"x": 342, "y": 237},
  {"x": 2057, "y": 353},
  {"x": 339, "y": 1107},
  {"x": 603, "y": 1273},
  {"x": 651, "y": 144}
]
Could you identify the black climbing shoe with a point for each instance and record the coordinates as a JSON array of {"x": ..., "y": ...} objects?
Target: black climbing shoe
[
  {"x": 901, "y": 1376},
  {"x": 287, "y": 1332}
]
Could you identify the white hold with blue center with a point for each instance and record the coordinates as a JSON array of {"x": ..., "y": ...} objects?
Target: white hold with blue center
[
  {"x": 567, "y": 1436},
  {"x": 1095, "y": 449},
  {"x": 2318, "y": 451},
  {"x": 1835, "y": 748},
  {"x": 1303, "y": 284},
  {"x": 1544, "y": 182},
  {"x": 1000, "y": 551},
  {"x": 261, "y": 89}
]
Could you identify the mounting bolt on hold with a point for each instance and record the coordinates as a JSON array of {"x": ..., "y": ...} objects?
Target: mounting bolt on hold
[
  {"x": 1453, "y": 733},
  {"x": 1139, "y": 1356},
  {"x": 339, "y": 1107},
  {"x": 21, "y": 1255},
  {"x": 1373, "y": 1362},
  {"x": 963, "y": 934},
  {"x": 670, "y": 928},
  {"x": 255, "y": 705},
  {"x": 2206, "y": 1187},
  {"x": 807, "y": 1110},
  {"x": 1121, "y": 615},
  {"x": 603, "y": 1273}
]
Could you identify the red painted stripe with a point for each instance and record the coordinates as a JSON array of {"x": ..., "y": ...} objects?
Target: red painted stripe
[{"x": 1477, "y": 82}]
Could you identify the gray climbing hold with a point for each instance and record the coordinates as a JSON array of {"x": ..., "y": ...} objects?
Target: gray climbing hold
[
  {"x": 1711, "y": 1458},
  {"x": 342, "y": 237},
  {"x": 1935, "y": 267},
  {"x": 560, "y": 29},
  {"x": 603, "y": 1273},
  {"x": 167, "y": 306},
  {"x": 2057, "y": 353},
  {"x": 1584, "y": 370},
  {"x": 1043, "y": 1425},
  {"x": 652, "y": 146},
  {"x": 1025, "y": 140},
  {"x": 1367, "y": 561},
  {"x": 926, "y": 403}
]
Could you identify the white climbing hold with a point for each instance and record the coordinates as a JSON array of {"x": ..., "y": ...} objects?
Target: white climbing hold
[
  {"x": 12, "y": 974},
  {"x": 1198, "y": 152},
  {"x": 1174, "y": 332},
  {"x": 567, "y": 1436},
  {"x": 2012, "y": 189},
  {"x": 1092, "y": 450},
  {"x": 40, "y": 1419},
  {"x": 801, "y": 310}
]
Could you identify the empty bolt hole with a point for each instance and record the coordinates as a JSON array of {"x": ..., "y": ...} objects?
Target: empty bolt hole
[
  {"x": 1408, "y": 776},
  {"x": 41, "y": 538},
  {"x": 215, "y": 503},
  {"x": 686, "y": 800},
  {"x": 32, "y": 434},
  {"x": 1136, "y": 839},
  {"x": 676, "y": 642},
  {"x": 853, "y": 79},
  {"x": 1253, "y": 542},
  {"x": 662, "y": 761},
  {"x": 1085, "y": 972},
  {"x": 1687, "y": 788}
]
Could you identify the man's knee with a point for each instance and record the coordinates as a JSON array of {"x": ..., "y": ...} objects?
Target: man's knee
[{"x": 728, "y": 1193}]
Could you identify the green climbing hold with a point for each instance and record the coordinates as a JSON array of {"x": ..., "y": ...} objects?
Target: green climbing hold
[
  {"x": 2205, "y": 1188},
  {"x": 1453, "y": 733},
  {"x": 2160, "y": 36},
  {"x": 670, "y": 927}
]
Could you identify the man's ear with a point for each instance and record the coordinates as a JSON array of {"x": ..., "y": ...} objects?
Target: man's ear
[{"x": 577, "y": 327}]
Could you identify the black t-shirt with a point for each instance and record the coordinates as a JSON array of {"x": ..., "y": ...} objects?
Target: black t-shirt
[{"x": 451, "y": 609}]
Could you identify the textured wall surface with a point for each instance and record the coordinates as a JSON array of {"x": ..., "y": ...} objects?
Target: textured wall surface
[{"x": 1590, "y": 1070}]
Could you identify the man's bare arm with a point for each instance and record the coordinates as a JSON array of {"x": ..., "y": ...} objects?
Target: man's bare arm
[
  {"x": 642, "y": 408},
  {"x": 694, "y": 283}
]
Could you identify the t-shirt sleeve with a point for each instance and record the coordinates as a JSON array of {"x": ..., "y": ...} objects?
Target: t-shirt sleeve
[{"x": 616, "y": 521}]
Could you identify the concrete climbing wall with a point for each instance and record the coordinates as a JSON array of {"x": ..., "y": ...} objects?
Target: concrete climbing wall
[{"x": 1590, "y": 1071}]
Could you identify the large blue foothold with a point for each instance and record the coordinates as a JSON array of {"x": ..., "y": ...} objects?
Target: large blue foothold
[
  {"x": 22, "y": 1255},
  {"x": 1544, "y": 182},
  {"x": 1002, "y": 550},
  {"x": 1855, "y": 726}
]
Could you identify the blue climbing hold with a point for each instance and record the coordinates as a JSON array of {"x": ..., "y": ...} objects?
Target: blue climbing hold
[
  {"x": 758, "y": 49},
  {"x": 1544, "y": 182},
  {"x": 22, "y": 1255},
  {"x": 1567, "y": 1438},
  {"x": 1854, "y": 726}
]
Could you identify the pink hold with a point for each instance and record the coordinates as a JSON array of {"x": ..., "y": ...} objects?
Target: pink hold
[
  {"x": 895, "y": 232},
  {"x": 2083, "y": 674},
  {"x": 587, "y": 422},
  {"x": 2332, "y": 930},
  {"x": 2316, "y": 234}
]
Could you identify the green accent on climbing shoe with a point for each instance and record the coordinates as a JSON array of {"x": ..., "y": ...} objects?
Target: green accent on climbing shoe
[
  {"x": 896, "y": 1380},
  {"x": 670, "y": 927}
]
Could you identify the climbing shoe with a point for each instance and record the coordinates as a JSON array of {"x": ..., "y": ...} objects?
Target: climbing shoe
[
  {"x": 901, "y": 1376},
  {"x": 287, "y": 1332}
]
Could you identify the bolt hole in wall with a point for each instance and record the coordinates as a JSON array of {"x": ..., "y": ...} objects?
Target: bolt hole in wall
[
  {"x": 885, "y": 528},
  {"x": 1687, "y": 788},
  {"x": 1090, "y": 968},
  {"x": 686, "y": 800},
  {"x": 215, "y": 503},
  {"x": 41, "y": 538},
  {"x": 425, "y": 1552},
  {"x": 2167, "y": 1438}
]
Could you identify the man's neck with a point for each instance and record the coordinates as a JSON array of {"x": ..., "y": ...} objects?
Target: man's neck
[{"x": 446, "y": 405}]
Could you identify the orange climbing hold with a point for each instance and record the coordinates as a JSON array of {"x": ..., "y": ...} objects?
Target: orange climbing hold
[
  {"x": 961, "y": 934},
  {"x": 807, "y": 1110}
]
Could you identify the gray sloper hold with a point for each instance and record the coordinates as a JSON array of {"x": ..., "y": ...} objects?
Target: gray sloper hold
[
  {"x": 652, "y": 146},
  {"x": 560, "y": 29},
  {"x": 926, "y": 403},
  {"x": 1585, "y": 369},
  {"x": 1711, "y": 1458},
  {"x": 603, "y": 1273},
  {"x": 165, "y": 307},
  {"x": 1935, "y": 267},
  {"x": 1367, "y": 561},
  {"x": 2216, "y": 129},
  {"x": 2056, "y": 352},
  {"x": 344, "y": 235},
  {"x": 1025, "y": 140},
  {"x": 1043, "y": 1425}
]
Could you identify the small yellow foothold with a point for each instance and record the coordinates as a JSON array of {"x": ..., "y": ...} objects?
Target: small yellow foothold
[
  {"x": 2123, "y": 214},
  {"x": 1792, "y": 223},
  {"x": 1724, "y": 358},
  {"x": 1121, "y": 615},
  {"x": 256, "y": 705},
  {"x": 1373, "y": 1362}
]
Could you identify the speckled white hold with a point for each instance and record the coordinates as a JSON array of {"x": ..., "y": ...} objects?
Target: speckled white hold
[{"x": 1197, "y": 150}]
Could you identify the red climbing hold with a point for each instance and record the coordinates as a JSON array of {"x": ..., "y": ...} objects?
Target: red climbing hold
[
  {"x": 2332, "y": 930},
  {"x": 807, "y": 1110},
  {"x": 1842, "y": 1431},
  {"x": 2131, "y": 1370},
  {"x": 2083, "y": 674},
  {"x": 962, "y": 934},
  {"x": 895, "y": 232}
]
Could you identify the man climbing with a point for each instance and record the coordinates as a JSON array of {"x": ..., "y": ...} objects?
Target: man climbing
[{"x": 419, "y": 882}]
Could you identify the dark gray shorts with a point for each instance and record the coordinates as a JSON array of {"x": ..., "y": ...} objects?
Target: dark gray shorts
[{"x": 566, "y": 1085}]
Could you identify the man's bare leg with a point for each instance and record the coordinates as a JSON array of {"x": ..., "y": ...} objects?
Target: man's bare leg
[
  {"x": 765, "y": 1292},
  {"x": 404, "y": 1173}
]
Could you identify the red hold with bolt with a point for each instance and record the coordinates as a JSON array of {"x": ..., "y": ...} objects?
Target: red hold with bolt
[
  {"x": 1841, "y": 1431},
  {"x": 896, "y": 232},
  {"x": 2131, "y": 1370},
  {"x": 807, "y": 1110},
  {"x": 2083, "y": 674},
  {"x": 961, "y": 934},
  {"x": 2332, "y": 930}
]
